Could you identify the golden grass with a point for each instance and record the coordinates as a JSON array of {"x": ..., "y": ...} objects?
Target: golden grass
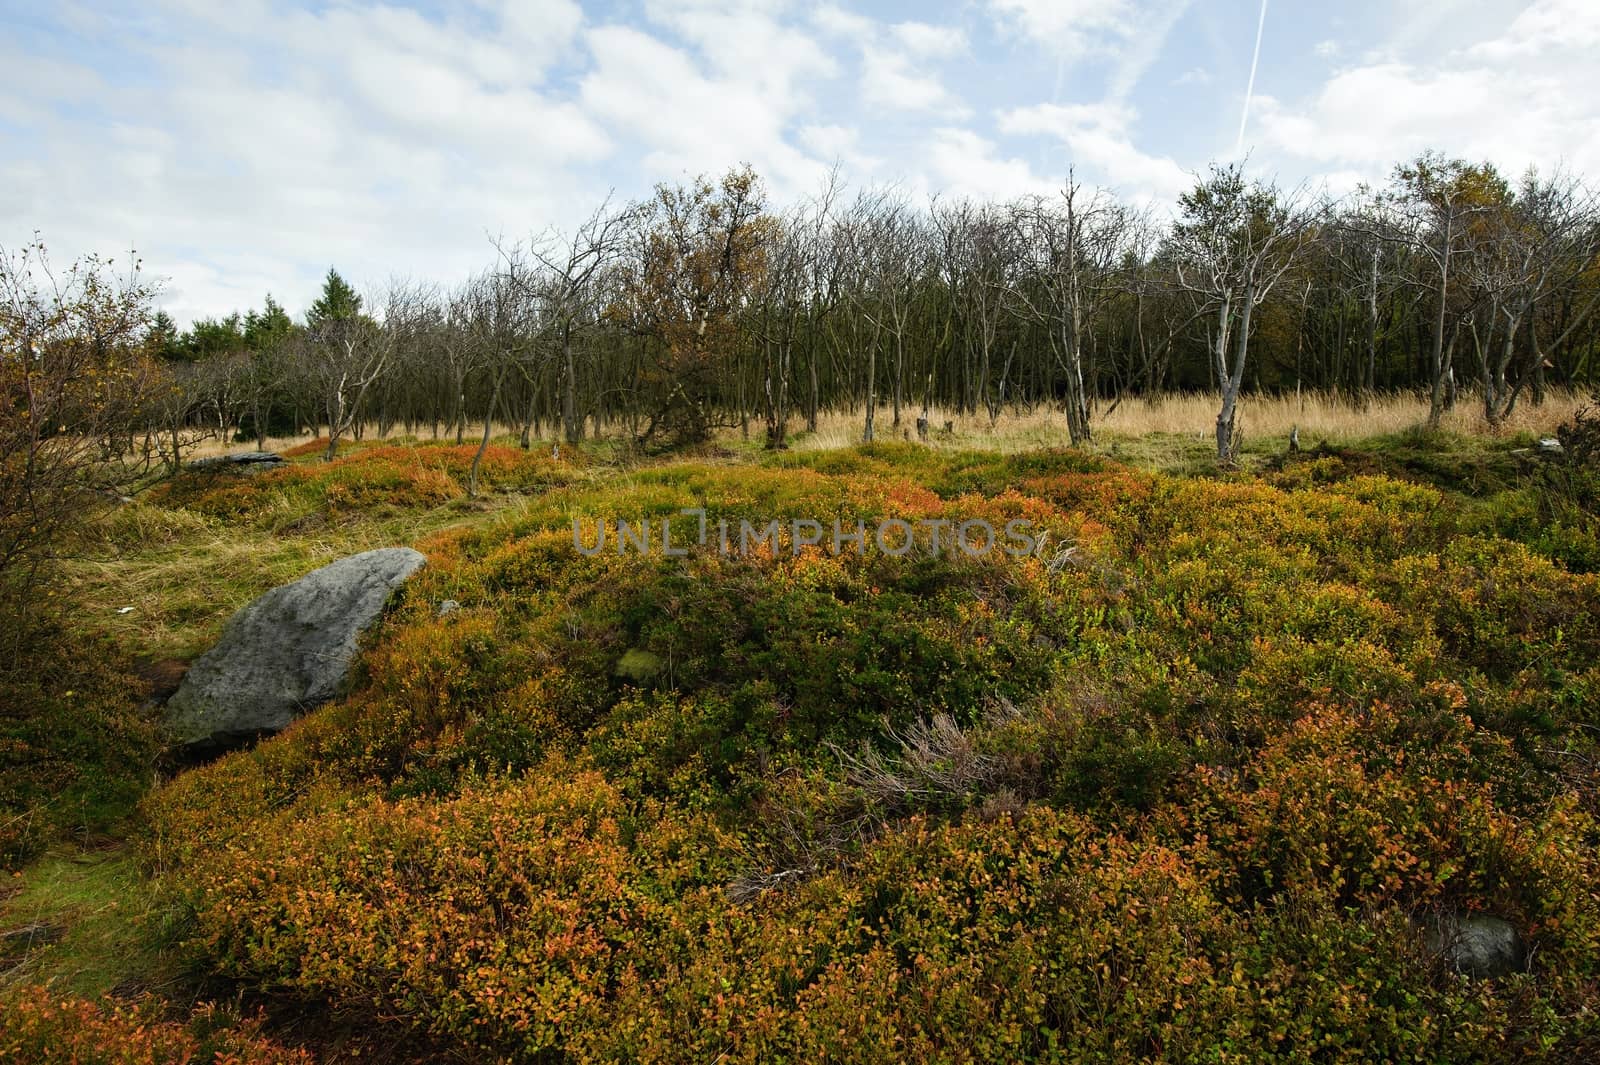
[
  {"x": 1318, "y": 415},
  {"x": 183, "y": 575}
]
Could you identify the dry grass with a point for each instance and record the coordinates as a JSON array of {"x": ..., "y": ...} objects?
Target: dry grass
[
  {"x": 162, "y": 582},
  {"x": 1318, "y": 415},
  {"x": 1192, "y": 415},
  {"x": 218, "y": 445}
]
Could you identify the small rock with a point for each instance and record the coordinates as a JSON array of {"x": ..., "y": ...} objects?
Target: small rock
[
  {"x": 1480, "y": 945},
  {"x": 449, "y": 606},
  {"x": 247, "y": 461},
  {"x": 1550, "y": 445}
]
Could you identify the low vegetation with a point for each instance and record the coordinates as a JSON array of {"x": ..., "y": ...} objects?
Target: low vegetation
[{"x": 1194, "y": 783}]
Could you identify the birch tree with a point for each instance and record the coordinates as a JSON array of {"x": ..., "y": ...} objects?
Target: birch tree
[{"x": 1234, "y": 241}]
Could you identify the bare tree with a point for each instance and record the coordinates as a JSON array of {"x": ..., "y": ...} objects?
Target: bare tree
[
  {"x": 350, "y": 350},
  {"x": 1520, "y": 251},
  {"x": 1076, "y": 241},
  {"x": 502, "y": 328},
  {"x": 980, "y": 259},
  {"x": 567, "y": 286},
  {"x": 787, "y": 299},
  {"x": 76, "y": 379},
  {"x": 1434, "y": 201},
  {"x": 1234, "y": 241},
  {"x": 889, "y": 246}
]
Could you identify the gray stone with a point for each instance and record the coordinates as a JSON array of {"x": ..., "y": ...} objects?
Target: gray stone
[
  {"x": 1478, "y": 946},
  {"x": 449, "y": 606},
  {"x": 248, "y": 461},
  {"x": 287, "y": 651}
]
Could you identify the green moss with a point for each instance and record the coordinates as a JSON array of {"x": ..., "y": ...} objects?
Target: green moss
[{"x": 639, "y": 666}]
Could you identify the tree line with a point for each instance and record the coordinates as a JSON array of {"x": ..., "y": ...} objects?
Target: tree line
[{"x": 705, "y": 307}]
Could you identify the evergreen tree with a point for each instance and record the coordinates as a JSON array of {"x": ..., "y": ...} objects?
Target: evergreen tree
[
  {"x": 166, "y": 342},
  {"x": 214, "y": 336},
  {"x": 338, "y": 302},
  {"x": 267, "y": 328}
]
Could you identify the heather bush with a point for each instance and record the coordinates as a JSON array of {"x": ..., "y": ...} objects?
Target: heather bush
[
  {"x": 41, "y": 1027},
  {"x": 1188, "y": 785}
]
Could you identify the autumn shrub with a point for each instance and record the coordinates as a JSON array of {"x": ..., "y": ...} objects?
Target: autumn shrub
[
  {"x": 316, "y": 446},
  {"x": 40, "y": 1026},
  {"x": 498, "y": 918},
  {"x": 366, "y": 478},
  {"x": 1190, "y": 784}
]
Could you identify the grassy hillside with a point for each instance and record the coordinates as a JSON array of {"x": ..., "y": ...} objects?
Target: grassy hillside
[{"x": 1196, "y": 782}]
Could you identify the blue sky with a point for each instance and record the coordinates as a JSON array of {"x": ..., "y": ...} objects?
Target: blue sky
[{"x": 245, "y": 147}]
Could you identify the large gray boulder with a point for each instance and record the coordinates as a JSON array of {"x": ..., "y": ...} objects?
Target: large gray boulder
[{"x": 285, "y": 652}]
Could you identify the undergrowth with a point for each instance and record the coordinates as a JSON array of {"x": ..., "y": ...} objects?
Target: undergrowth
[{"x": 1192, "y": 784}]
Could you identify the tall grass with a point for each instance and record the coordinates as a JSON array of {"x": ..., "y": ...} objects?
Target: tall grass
[{"x": 1319, "y": 415}]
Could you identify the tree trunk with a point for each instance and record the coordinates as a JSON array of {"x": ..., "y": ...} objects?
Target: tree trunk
[
  {"x": 483, "y": 444},
  {"x": 872, "y": 395},
  {"x": 570, "y": 426},
  {"x": 1233, "y": 380},
  {"x": 1436, "y": 400}
]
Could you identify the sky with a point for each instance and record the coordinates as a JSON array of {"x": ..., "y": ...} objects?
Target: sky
[{"x": 243, "y": 148}]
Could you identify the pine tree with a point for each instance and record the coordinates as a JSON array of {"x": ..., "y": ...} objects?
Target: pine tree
[
  {"x": 269, "y": 327},
  {"x": 338, "y": 302}
]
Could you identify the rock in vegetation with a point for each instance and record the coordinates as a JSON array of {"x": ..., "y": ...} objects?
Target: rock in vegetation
[
  {"x": 1478, "y": 946},
  {"x": 244, "y": 461},
  {"x": 285, "y": 652}
]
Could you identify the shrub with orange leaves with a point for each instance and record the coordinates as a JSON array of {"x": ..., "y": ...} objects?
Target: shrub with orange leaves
[
  {"x": 1238, "y": 746},
  {"x": 39, "y": 1026}
]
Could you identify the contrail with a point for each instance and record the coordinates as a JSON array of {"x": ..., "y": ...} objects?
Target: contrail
[{"x": 1244, "y": 115}]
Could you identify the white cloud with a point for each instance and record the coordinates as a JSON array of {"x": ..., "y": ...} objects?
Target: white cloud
[
  {"x": 1130, "y": 34},
  {"x": 890, "y": 79},
  {"x": 689, "y": 122},
  {"x": 842, "y": 144},
  {"x": 927, "y": 41},
  {"x": 1098, "y": 139},
  {"x": 1070, "y": 27},
  {"x": 835, "y": 20},
  {"x": 896, "y": 60},
  {"x": 748, "y": 46},
  {"x": 1547, "y": 26},
  {"x": 963, "y": 164},
  {"x": 1517, "y": 99},
  {"x": 367, "y": 136}
]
